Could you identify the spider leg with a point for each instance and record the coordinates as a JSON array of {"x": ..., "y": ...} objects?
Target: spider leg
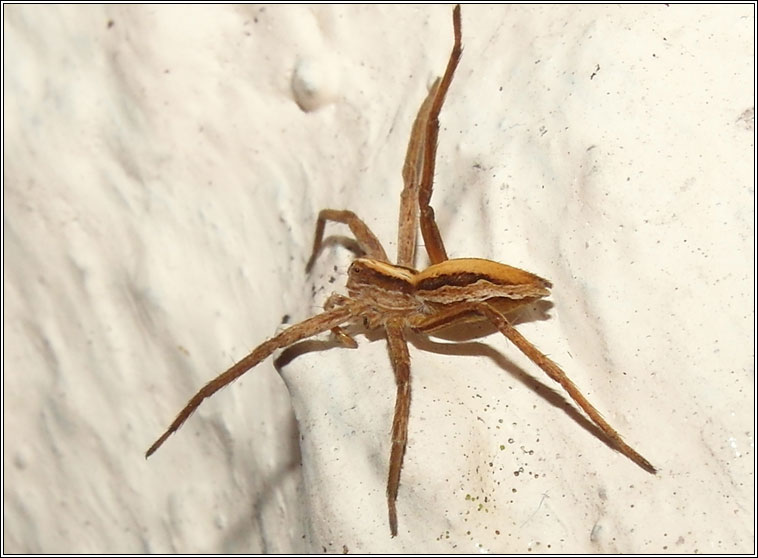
[
  {"x": 429, "y": 230},
  {"x": 408, "y": 221},
  {"x": 463, "y": 313},
  {"x": 401, "y": 364},
  {"x": 366, "y": 239},
  {"x": 333, "y": 301},
  {"x": 555, "y": 372},
  {"x": 293, "y": 334},
  {"x": 344, "y": 338}
]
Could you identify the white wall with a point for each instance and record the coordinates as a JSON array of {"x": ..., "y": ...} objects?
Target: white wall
[{"x": 160, "y": 191}]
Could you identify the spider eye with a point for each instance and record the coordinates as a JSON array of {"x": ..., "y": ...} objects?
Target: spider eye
[{"x": 355, "y": 267}]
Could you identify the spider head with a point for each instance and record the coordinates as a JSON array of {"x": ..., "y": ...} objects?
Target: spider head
[{"x": 365, "y": 273}]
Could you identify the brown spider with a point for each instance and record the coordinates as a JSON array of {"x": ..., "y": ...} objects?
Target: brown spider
[{"x": 397, "y": 297}]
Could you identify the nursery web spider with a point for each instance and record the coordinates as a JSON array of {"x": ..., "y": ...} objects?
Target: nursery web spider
[{"x": 398, "y": 297}]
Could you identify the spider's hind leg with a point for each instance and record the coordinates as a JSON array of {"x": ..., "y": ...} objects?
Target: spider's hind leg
[{"x": 558, "y": 375}]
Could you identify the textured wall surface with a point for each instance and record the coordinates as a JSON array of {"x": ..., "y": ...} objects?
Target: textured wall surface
[{"x": 164, "y": 167}]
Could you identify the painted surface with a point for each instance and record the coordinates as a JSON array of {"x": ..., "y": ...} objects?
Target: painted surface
[{"x": 163, "y": 171}]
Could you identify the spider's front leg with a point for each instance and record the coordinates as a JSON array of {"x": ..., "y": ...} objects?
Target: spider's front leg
[
  {"x": 408, "y": 221},
  {"x": 429, "y": 229},
  {"x": 307, "y": 328},
  {"x": 367, "y": 240},
  {"x": 401, "y": 364},
  {"x": 342, "y": 336}
]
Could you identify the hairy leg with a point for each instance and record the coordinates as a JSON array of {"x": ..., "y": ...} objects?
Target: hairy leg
[
  {"x": 555, "y": 372},
  {"x": 408, "y": 221},
  {"x": 463, "y": 313},
  {"x": 342, "y": 336},
  {"x": 366, "y": 239},
  {"x": 292, "y": 334},
  {"x": 429, "y": 230},
  {"x": 401, "y": 364}
]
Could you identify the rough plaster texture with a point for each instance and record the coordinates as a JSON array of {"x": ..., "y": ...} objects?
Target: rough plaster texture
[{"x": 161, "y": 188}]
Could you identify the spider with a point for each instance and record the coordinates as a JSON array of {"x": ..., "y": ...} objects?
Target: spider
[{"x": 397, "y": 297}]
